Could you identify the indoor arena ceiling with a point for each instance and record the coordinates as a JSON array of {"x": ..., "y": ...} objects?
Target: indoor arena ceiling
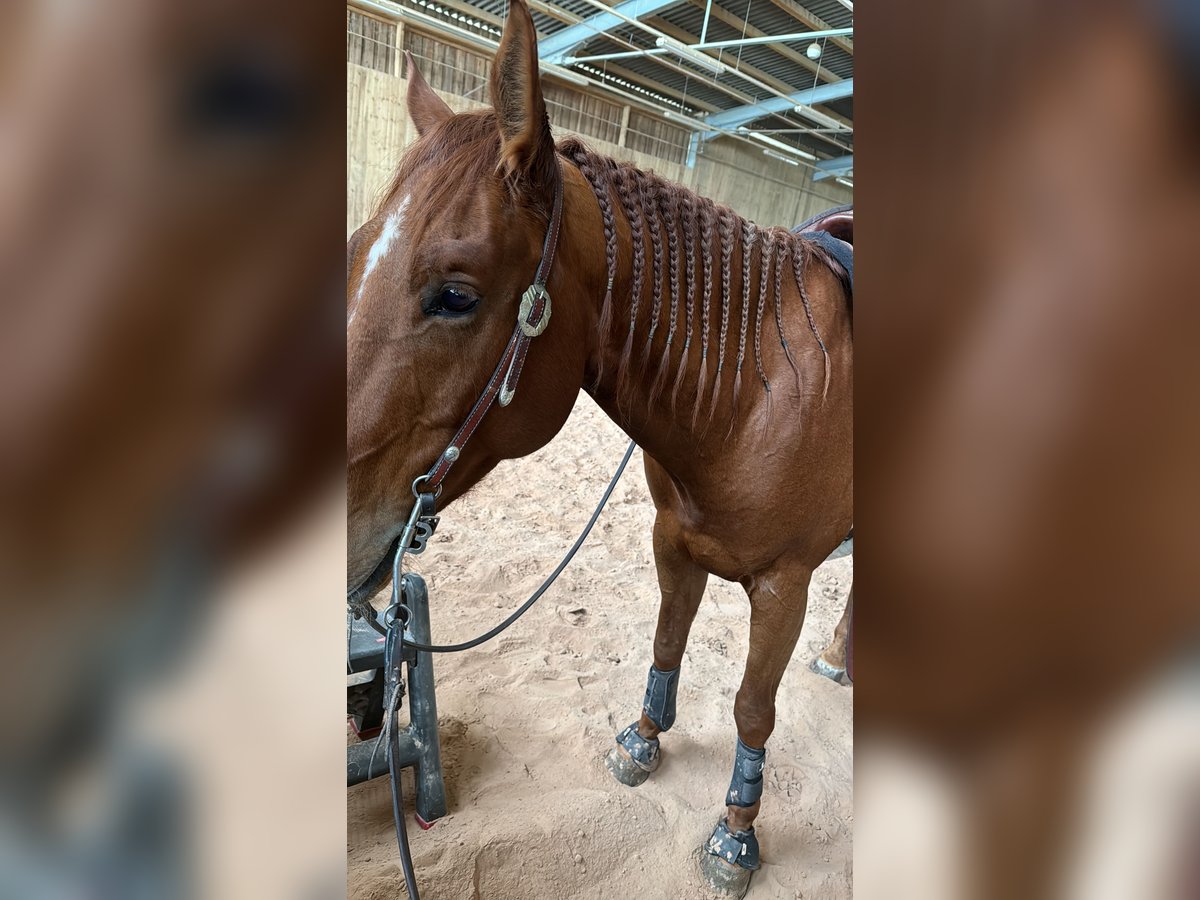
[{"x": 780, "y": 69}]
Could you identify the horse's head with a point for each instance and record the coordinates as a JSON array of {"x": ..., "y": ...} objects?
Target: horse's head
[{"x": 434, "y": 283}]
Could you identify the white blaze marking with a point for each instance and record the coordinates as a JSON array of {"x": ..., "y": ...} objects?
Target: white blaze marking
[{"x": 380, "y": 249}]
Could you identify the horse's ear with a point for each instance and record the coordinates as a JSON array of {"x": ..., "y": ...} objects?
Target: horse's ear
[
  {"x": 527, "y": 147},
  {"x": 425, "y": 108}
]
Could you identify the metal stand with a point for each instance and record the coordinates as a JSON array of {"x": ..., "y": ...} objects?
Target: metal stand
[{"x": 419, "y": 746}]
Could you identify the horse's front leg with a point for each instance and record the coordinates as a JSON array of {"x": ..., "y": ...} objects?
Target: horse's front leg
[
  {"x": 832, "y": 661},
  {"x": 681, "y": 583},
  {"x": 778, "y": 600}
]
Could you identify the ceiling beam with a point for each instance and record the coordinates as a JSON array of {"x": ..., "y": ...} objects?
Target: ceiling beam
[
  {"x": 815, "y": 23},
  {"x": 556, "y": 47},
  {"x": 644, "y": 80},
  {"x": 681, "y": 35},
  {"x": 629, "y": 75},
  {"x": 832, "y": 168},
  {"x": 783, "y": 50},
  {"x": 661, "y": 59},
  {"x": 474, "y": 12},
  {"x": 741, "y": 26},
  {"x": 686, "y": 38},
  {"x": 741, "y": 115},
  {"x": 554, "y": 12},
  {"x": 555, "y": 55}
]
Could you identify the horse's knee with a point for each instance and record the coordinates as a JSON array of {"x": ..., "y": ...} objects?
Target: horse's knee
[
  {"x": 669, "y": 649},
  {"x": 755, "y": 717}
]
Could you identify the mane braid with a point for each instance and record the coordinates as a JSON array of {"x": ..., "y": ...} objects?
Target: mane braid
[
  {"x": 798, "y": 260},
  {"x": 768, "y": 253},
  {"x": 749, "y": 236},
  {"x": 669, "y": 206},
  {"x": 627, "y": 188},
  {"x": 781, "y": 256},
  {"x": 653, "y": 220},
  {"x": 707, "y": 217},
  {"x": 655, "y": 205},
  {"x": 768, "y": 248},
  {"x": 688, "y": 205},
  {"x": 597, "y": 171},
  {"x": 725, "y": 227}
]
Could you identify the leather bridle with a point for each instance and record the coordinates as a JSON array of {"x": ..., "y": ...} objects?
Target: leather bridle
[{"x": 533, "y": 316}]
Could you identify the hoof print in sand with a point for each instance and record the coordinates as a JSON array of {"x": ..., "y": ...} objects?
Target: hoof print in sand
[{"x": 576, "y": 616}]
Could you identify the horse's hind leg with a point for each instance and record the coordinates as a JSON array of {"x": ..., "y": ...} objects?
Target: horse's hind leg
[
  {"x": 832, "y": 661},
  {"x": 777, "y": 605},
  {"x": 681, "y": 583}
]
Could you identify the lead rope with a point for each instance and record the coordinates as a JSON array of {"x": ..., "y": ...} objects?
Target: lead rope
[
  {"x": 550, "y": 579},
  {"x": 393, "y": 658},
  {"x": 396, "y": 618}
]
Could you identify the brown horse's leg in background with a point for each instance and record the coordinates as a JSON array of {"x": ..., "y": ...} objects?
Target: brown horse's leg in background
[
  {"x": 681, "y": 583},
  {"x": 778, "y": 601},
  {"x": 832, "y": 661}
]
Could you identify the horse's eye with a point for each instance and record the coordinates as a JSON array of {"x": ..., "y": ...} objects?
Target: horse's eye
[{"x": 456, "y": 300}]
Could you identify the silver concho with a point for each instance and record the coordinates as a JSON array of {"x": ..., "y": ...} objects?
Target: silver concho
[{"x": 527, "y": 300}]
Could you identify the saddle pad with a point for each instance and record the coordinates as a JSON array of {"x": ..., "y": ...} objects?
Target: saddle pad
[{"x": 839, "y": 250}]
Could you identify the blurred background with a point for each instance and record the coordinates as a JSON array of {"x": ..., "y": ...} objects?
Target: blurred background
[
  {"x": 1027, "y": 695},
  {"x": 171, "y": 384}
]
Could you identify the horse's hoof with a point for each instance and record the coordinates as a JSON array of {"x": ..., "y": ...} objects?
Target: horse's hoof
[
  {"x": 833, "y": 673},
  {"x": 723, "y": 878},
  {"x": 729, "y": 859},
  {"x": 634, "y": 757},
  {"x": 623, "y": 768}
]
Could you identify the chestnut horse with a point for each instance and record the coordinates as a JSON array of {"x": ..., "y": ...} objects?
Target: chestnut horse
[{"x": 722, "y": 348}]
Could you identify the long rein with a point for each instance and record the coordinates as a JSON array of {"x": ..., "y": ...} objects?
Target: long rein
[{"x": 532, "y": 318}]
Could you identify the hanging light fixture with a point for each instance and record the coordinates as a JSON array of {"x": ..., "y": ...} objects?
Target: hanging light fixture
[
  {"x": 775, "y": 154},
  {"x": 695, "y": 57},
  {"x": 813, "y": 50}
]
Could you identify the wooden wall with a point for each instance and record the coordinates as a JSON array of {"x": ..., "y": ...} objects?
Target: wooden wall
[
  {"x": 370, "y": 42},
  {"x": 766, "y": 190}
]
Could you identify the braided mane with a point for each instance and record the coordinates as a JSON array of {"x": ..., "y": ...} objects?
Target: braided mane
[
  {"x": 677, "y": 224},
  {"x": 684, "y": 224}
]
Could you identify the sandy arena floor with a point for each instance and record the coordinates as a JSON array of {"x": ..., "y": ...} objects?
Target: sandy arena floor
[{"x": 526, "y": 720}]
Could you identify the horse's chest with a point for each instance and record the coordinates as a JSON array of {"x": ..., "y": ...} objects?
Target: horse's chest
[{"x": 725, "y": 545}]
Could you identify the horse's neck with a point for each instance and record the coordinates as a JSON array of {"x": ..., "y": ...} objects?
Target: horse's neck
[
  {"x": 650, "y": 371},
  {"x": 692, "y": 304}
]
